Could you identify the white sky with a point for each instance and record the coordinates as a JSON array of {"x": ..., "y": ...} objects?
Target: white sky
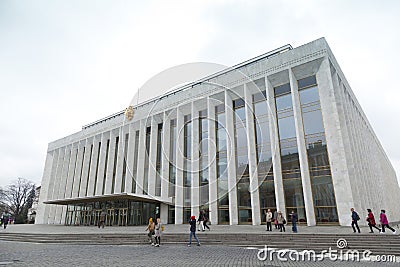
[{"x": 64, "y": 64}]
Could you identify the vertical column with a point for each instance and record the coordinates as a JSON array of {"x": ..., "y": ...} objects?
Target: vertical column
[
  {"x": 85, "y": 171},
  {"x": 336, "y": 135},
  {"x": 252, "y": 154},
  {"x": 52, "y": 183},
  {"x": 102, "y": 164},
  {"x": 153, "y": 157},
  {"x": 179, "y": 167},
  {"x": 63, "y": 180},
  {"x": 276, "y": 154},
  {"x": 41, "y": 215},
  {"x": 141, "y": 156},
  {"x": 93, "y": 166},
  {"x": 56, "y": 185},
  {"x": 71, "y": 171},
  {"x": 212, "y": 170},
  {"x": 130, "y": 159},
  {"x": 110, "y": 164},
  {"x": 165, "y": 158},
  {"x": 120, "y": 160},
  {"x": 230, "y": 135},
  {"x": 78, "y": 169},
  {"x": 195, "y": 192},
  {"x": 164, "y": 212},
  {"x": 301, "y": 145}
]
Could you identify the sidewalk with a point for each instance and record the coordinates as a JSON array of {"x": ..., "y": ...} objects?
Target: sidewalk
[{"x": 182, "y": 228}]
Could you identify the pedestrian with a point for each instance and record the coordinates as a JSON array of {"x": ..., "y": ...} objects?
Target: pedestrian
[
  {"x": 281, "y": 221},
  {"x": 150, "y": 228},
  {"x": 205, "y": 221},
  {"x": 200, "y": 221},
  {"x": 385, "y": 222},
  {"x": 371, "y": 221},
  {"x": 275, "y": 218},
  {"x": 102, "y": 218},
  {"x": 294, "y": 221},
  {"x": 268, "y": 218},
  {"x": 354, "y": 220},
  {"x": 192, "y": 223},
  {"x": 5, "y": 218},
  {"x": 157, "y": 232}
]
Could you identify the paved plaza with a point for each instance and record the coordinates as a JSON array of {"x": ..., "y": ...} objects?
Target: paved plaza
[{"x": 14, "y": 253}]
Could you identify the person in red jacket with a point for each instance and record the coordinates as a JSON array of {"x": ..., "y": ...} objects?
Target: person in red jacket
[
  {"x": 371, "y": 221},
  {"x": 385, "y": 222}
]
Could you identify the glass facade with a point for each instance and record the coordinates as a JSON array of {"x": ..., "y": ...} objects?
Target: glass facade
[
  {"x": 146, "y": 162},
  {"x": 242, "y": 162},
  {"x": 159, "y": 160},
  {"x": 187, "y": 177},
  {"x": 318, "y": 161},
  {"x": 221, "y": 157},
  {"x": 203, "y": 159},
  {"x": 292, "y": 184},
  {"x": 266, "y": 185},
  {"x": 172, "y": 159}
]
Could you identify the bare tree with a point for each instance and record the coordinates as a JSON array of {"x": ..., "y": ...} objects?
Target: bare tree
[{"x": 16, "y": 197}]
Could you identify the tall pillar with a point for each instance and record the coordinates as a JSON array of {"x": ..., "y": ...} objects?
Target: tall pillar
[
  {"x": 40, "y": 215},
  {"x": 252, "y": 154},
  {"x": 195, "y": 175},
  {"x": 336, "y": 133},
  {"x": 153, "y": 158},
  {"x": 130, "y": 158},
  {"x": 78, "y": 169},
  {"x": 166, "y": 134},
  {"x": 212, "y": 169},
  {"x": 276, "y": 154},
  {"x": 110, "y": 184},
  {"x": 101, "y": 175},
  {"x": 93, "y": 166},
  {"x": 230, "y": 149},
  {"x": 303, "y": 158},
  {"x": 141, "y": 157},
  {"x": 179, "y": 167},
  {"x": 120, "y": 160},
  {"x": 85, "y": 171}
]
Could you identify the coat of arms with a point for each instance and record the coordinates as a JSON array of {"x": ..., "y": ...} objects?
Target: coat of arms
[{"x": 129, "y": 112}]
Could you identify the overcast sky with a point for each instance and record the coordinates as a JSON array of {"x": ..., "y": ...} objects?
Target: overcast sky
[{"x": 64, "y": 64}]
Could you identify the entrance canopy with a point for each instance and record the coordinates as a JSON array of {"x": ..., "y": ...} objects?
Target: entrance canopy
[{"x": 112, "y": 197}]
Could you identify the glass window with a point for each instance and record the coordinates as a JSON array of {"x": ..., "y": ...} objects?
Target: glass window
[
  {"x": 286, "y": 128},
  {"x": 307, "y": 82},
  {"x": 283, "y": 102},
  {"x": 309, "y": 95},
  {"x": 293, "y": 193},
  {"x": 313, "y": 122},
  {"x": 282, "y": 89}
]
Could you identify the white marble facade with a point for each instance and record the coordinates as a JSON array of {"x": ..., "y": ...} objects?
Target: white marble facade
[{"x": 78, "y": 168}]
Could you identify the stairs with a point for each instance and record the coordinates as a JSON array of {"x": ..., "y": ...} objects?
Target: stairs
[{"x": 387, "y": 244}]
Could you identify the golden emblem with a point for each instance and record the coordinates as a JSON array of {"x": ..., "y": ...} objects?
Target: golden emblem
[{"x": 129, "y": 112}]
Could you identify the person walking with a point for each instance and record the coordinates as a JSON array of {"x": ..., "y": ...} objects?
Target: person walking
[
  {"x": 205, "y": 221},
  {"x": 268, "y": 218},
  {"x": 294, "y": 218},
  {"x": 5, "y": 218},
  {"x": 150, "y": 228},
  {"x": 281, "y": 221},
  {"x": 275, "y": 219},
  {"x": 158, "y": 232},
  {"x": 201, "y": 220},
  {"x": 354, "y": 220},
  {"x": 385, "y": 222},
  {"x": 192, "y": 223},
  {"x": 371, "y": 221},
  {"x": 102, "y": 218}
]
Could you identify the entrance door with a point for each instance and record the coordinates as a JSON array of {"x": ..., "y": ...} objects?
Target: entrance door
[
  {"x": 123, "y": 217},
  {"x": 110, "y": 220}
]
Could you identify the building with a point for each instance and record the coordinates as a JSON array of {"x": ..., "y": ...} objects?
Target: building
[{"x": 281, "y": 131}]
